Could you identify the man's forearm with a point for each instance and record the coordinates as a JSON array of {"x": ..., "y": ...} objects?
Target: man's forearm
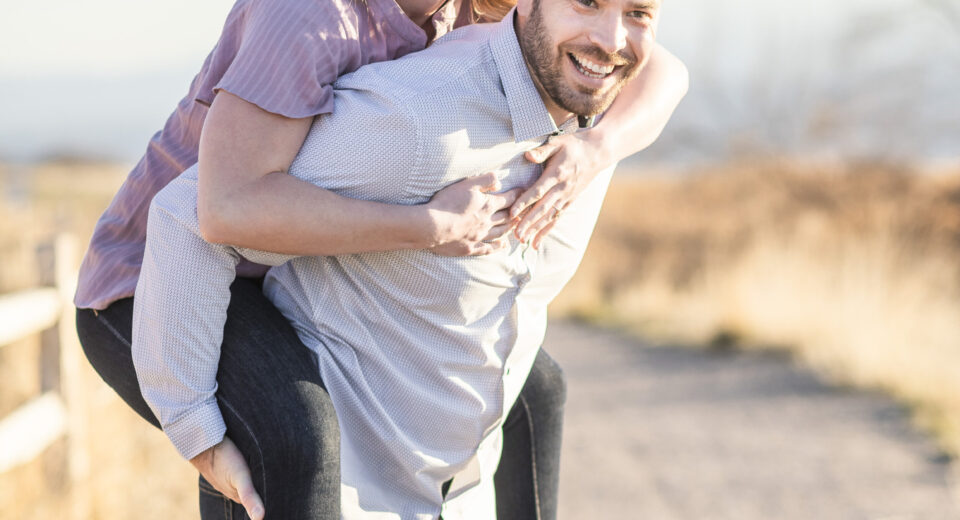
[{"x": 179, "y": 313}]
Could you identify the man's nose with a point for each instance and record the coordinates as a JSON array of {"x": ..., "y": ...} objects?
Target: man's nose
[{"x": 609, "y": 33}]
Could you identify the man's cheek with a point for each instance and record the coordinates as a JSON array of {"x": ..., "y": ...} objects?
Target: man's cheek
[{"x": 644, "y": 46}]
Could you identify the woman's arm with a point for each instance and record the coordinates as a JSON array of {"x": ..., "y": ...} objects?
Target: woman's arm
[
  {"x": 246, "y": 199},
  {"x": 633, "y": 122}
]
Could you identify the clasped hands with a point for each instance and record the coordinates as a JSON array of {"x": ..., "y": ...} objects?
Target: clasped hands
[{"x": 472, "y": 218}]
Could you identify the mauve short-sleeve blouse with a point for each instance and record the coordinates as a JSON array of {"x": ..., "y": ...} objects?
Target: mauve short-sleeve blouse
[{"x": 283, "y": 56}]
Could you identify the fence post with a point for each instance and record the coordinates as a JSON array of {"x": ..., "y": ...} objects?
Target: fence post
[{"x": 71, "y": 378}]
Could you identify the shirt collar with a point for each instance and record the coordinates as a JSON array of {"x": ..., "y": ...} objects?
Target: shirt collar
[
  {"x": 443, "y": 21},
  {"x": 401, "y": 24},
  {"x": 527, "y": 110}
]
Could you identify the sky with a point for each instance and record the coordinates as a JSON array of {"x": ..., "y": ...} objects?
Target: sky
[
  {"x": 823, "y": 78},
  {"x": 106, "y": 37}
]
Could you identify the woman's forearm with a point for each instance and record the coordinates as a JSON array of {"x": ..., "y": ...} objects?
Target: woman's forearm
[
  {"x": 280, "y": 213},
  {"x": 642, "y": 109},
  {"x": 241, "y": 203}
]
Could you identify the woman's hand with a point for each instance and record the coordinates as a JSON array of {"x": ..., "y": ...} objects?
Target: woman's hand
[
  {"x": 225, "y": 469},
  {"x": 572, "y": 162},
  {"x": 470, "y": 218}
]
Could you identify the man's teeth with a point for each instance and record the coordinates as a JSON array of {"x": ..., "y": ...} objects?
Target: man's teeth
[{"x": 589, "y": 68}]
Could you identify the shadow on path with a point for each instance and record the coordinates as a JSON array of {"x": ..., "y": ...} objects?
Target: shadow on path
[{"x": 665, "y": 434}]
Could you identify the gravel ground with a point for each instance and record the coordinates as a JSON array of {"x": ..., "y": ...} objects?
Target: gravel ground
[{"x": 669, "y": 433}]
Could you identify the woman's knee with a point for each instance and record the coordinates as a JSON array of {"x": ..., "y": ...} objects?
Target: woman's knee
[
  {"x": 546, "y": 384},
  {"x": 315, "y": 434},
  {"x": 290, "y": 441},
  {"x": 105, "y": 340}
]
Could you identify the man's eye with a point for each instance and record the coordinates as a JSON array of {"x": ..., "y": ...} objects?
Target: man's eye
[
  {"x": 587, "y": 3},
  {"x": 639, "y": 14}
]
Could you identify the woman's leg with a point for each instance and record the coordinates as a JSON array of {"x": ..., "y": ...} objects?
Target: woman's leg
[
  {"x": 528, "y": 477},
  {"x": 105, "y": 337},
  {"x": 273, "y": 402}
]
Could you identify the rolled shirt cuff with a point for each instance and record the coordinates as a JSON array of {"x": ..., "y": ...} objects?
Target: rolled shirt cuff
[{"x": 197, "y": 430}]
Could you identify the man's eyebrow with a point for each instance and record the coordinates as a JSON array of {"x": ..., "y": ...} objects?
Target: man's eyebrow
[{"x": 644, "y": 4}]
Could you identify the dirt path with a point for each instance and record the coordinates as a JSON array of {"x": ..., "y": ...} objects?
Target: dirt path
[{"x": 665, "y": 434}]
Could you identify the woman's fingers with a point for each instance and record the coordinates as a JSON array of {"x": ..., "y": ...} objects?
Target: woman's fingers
[
  {"x": 542, "y": 233},
  {"x": 541, "y": 214},
  {"x": 544, "y": 151},
  {"x": 534, "y": 193},
  {"x": 487, "y": 182},
  {"x": 501, "y": 217},
  {"x": 499, "y": 201},
  {"x": 547, "y": 179},
  {"x": 497, "y": 232},
  {"x": 486, "y": 248}
]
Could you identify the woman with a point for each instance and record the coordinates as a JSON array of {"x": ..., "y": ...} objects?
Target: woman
[{"x": 268, "y": 76}]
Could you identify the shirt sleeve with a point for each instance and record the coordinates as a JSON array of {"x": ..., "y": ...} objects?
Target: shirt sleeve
[
  {"x": 287, "y": 56},
  {"x": 179, "y": 313}
]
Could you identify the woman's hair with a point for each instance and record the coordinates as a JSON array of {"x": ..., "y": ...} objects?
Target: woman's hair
[{"x": 491, "y": 10}]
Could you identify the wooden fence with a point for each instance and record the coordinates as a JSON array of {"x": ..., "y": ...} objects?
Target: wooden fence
[{"x": 58, "y": 412}]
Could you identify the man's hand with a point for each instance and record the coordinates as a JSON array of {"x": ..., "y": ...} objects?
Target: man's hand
[
  {"x": 224, "y": 468},
  {"x": 470, "y": 218}
]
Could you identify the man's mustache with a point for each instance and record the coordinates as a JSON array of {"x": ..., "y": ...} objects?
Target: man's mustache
[{"x": 622, "y": 58}]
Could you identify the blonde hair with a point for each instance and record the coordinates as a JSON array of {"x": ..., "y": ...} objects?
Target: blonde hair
[{"x": 491, "y": 10}]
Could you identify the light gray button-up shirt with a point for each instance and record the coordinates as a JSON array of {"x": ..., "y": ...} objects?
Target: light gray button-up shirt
[{"x": 422, "y": 355}]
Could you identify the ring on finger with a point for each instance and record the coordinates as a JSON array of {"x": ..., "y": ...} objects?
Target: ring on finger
[{"x": 557, "y": 210}]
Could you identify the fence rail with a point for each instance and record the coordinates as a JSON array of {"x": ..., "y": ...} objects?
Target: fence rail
[
  {"x": 28, "y": 312},
  {"x": 30, "y": 429},
  {"x": 58, "y": 412}
]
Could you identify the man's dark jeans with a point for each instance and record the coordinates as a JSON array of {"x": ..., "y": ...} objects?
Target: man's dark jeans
[{"x": 281, "y": 418}]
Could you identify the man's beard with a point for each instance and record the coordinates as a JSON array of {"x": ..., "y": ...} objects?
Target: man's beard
[{"x": 546, "y": 64}]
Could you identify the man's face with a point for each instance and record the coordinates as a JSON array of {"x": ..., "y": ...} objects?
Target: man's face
[{"x": 582, "y": 52}]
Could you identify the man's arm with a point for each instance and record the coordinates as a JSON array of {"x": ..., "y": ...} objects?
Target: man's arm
[{"x": 178, "y": 317}]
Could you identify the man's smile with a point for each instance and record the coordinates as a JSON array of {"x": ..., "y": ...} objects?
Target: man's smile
[{"x": 590, "y": 68}]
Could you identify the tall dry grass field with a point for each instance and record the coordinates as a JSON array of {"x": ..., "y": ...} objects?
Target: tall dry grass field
[
  {"x": 854, "y": 268},
  {"x": 134, "y": 471}
]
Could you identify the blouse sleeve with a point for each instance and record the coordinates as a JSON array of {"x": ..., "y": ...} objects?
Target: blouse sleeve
[{"x": 284, "y": 55}]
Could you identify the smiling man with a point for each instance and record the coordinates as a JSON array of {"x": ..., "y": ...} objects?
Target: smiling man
[
  {"x": 582, "y": 70},
  {"x": 422, "y": 355}
]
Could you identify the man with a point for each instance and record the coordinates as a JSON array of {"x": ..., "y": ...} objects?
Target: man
[{"x": 422, "y": 355}]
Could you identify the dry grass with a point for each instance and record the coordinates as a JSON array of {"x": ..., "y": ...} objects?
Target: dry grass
[{"x": 853, "y": 268}]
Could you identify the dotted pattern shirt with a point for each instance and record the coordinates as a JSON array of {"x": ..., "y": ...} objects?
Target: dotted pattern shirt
[{"x": 423, "y": 355}]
